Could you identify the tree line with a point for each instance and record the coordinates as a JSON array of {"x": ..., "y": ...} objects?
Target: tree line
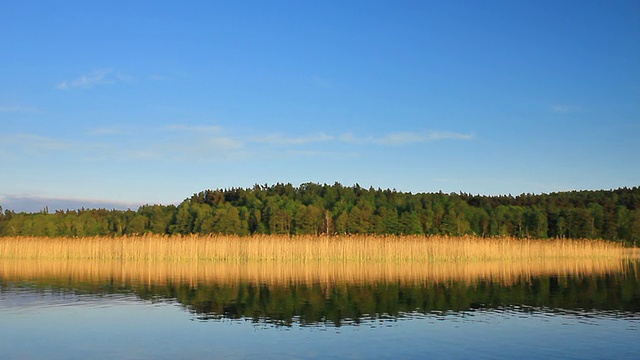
[{"x": 336, "y": 209}]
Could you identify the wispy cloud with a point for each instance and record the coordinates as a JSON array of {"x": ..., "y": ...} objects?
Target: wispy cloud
[
  {"x": 22, "y": 144},
  {"x": 26, "y": 203},
  {"x": 156, "y": 77},
  {"x": 225, "y": 143},
  {"x": 398, "y": 138},
  {"x": 95, "y": 78},
  {"x": 107, "y": 131},
  {"x": 204, "y": 143},
  {"x": 175, "y": 129},
  {"x": 18, "y": 109},
  {"x": 447, "y": 135},
  {"x": 211, "y": 149},
  {"x": 322, "y": 82},
  {"x": 565, "y": 109},
  {"x": 277, "y": 139},
  {"x": 194, "y": 128},
  {"x": 41, "y": 142},
  {"x": 403, "y": 138}
]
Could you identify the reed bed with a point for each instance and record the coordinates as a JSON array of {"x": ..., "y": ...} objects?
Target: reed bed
[
  {"x": 307, "y": 259},
  {"x": 305, "y": 249},
  {"x": 195, "y": 273}
]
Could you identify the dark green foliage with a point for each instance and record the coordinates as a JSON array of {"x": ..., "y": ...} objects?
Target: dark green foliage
[
  {"x": 336, "y": 209},
  {"x": 226, "y": 220}
]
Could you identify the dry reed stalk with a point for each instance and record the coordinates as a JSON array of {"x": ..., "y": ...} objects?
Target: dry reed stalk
[
  {"x": 194, "y": 273},
  {"x": 266, "y": 248}
]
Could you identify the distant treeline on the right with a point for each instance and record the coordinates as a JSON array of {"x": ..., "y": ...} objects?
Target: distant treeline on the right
[{"x": 336, "y": 209}]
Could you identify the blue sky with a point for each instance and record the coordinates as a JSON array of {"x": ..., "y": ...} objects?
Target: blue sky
[{"x": 133, "y": 102}]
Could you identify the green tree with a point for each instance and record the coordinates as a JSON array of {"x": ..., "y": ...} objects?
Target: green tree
[
  {"x": 634, "y": 227},
  {"x": 410, "y": 223},
  {"x": 308, "y": 219},
  {"x": 535, "y": 223},
  {"x": 279, "y": 216},
  {"x": 360, "y": 219},
  {"x": 137, "y": 225},
  {"x": 183, "y": 223},
  {"x": 227, "y": 221},
  {"x": 386, "y": 221},
  {"x": 159, "y": 217},
  {"x": 454, "y": 221},
  {"x": 203, "y": 218},
  {"x": 500, "y": 222},
  {"x": 340, "y": 222}
]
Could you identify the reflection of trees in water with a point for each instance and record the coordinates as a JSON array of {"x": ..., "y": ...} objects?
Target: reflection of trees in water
[
  {"x": 337, "y": 304},
  {"x": 341, "y": 303}
]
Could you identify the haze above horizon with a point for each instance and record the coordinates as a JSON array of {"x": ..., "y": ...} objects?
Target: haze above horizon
[{"x": 148, "y": 102}]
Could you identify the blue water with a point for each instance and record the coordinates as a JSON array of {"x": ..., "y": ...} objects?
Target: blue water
[{"x": 52, "y": 324}]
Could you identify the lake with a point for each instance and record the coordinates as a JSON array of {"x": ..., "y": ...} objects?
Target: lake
[{"x": 551, "y": 309}]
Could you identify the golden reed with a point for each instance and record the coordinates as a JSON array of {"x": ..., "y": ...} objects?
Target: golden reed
[
  {"x": 194, "y": 273},
  {"x": 267, "y": 248},
  {"x": 194, "y": 259}
]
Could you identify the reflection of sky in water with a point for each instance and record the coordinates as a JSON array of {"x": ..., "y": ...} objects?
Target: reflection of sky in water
[{"x": 62, "y": 325}]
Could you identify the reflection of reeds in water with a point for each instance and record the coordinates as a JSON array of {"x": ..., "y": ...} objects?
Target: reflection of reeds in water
[
  {"x": 387, "y": 249},
  {"x": 194, "y": 273}
]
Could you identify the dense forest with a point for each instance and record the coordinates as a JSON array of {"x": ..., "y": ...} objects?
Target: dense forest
[{"x": 336, "y": 209}]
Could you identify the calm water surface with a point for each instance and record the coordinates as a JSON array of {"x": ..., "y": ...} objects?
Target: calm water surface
[{"x": 546, "y": 316}]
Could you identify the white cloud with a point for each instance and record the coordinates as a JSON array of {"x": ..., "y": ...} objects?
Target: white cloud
[
  {"x": 184, "y": 142},
  {"x": 322, "y": 82},
  {"x": 277, "y": 139},
  {"x": 27, "y": 203},
  {"x": 31, "y": 141},
  {"x": 19, "y": 145},
  {"x": 316, "y": 153},
  {"x": 5, "y": 154},
  {"x": 400, "y": 138},
  {"x": 225, "y": 143},
  {"x": 176, "y": 142},
  {"x": 203, "y": 139},
  {"x": 156, "y": 77},
  {"x": 98, "y": 77},
  {"x": 18, "y": 109},
  {"x": 347, "y": 137},
  {"x": 107, "y": 131},
  {"x": 447, "y": 135},
  {"x": 565, "y": 109},
  {"x": 195, "y": 128},
  {"x": 407, "y": 137},
  {"x": 175, "y": 128}
]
